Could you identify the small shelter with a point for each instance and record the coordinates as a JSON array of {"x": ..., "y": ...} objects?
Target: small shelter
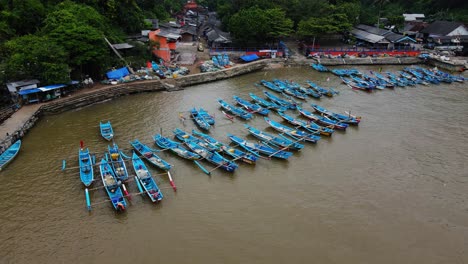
[{"x": 444, "y": 28}]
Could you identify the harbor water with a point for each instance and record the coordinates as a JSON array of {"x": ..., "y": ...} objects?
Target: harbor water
[{"x": 392, "y": 190}]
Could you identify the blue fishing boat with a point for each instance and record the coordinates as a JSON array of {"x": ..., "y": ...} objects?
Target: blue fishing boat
[
  {"x": 271, "y": 86},
  {"x": 261, "y": 101},
  {"x": 184, "y": 136},
  {"x": 235, "y": 110},
  {"x": 233, "y": 152},
  {"x": 310, "y": 126},
  {"x": 117, "y": 163},
  {"x": 275, "y": 99},
  {"x": 175, "y": 147},
  {"x": 208, "y": 118},
  {"x": 199, "y": 119},
  {"x": 252, "y": 108},
  {"x": 327, "y": 92},
  {"x": 86, "y": 167},
  {"x": 319, "y": 67},
  {"x": 8, "y": 155},
  {"x": 323, "y": 120},
  {"x": 212, "y": 157},
  {"x": 147, "y": 153},
  {"x": 263, "y": 149},
  {"x": 295, "y": 93},
  {"x": 338, "y": 117},
  {"x": 112, "y": 186},
  {"x": 106, "y": 130},
  {"x": 278, "y": 141},
  {"x": 292, "y": 132},
  {"x": 146, "y": 181}
]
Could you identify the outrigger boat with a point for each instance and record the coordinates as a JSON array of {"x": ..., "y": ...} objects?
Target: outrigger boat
[
  {"x": 145, "y": 181},
  {"x": 8, "y": 155},
  {"x": 112, "y": 186},
  {"x": 233, "y": 152},
  {"x": 199, "y": 120},
  {"x": 175, "y": 147},
  {"x": 184, "y": 136},
  {"x": 310, "y": 126},
  {"x": 272, "y": 86},
  {"x": 319, "y": 67},
  {"x": 328, "y": 92},
  {"x": 86, "y": 167},
  {"x": 235, "y": 110},
  {"x": 265, "y": 103},
  {"x": 117, "y": 163},
  {"x": 263, "y": 149},
  {"x": 338, "y": 117},
  {"x": 208, "y": 118},
  {"x": 211, "y": 156},
  {"x": 252, "y": 108},
  {"x": 293, "y": 133},
  {"x": 279, "y": 101},
  {"x": 106, "y": 130},
  {"x": 278, "y": 141},
  {"x": 323, "y": 120},
  {"x": 149, "y": 155}
]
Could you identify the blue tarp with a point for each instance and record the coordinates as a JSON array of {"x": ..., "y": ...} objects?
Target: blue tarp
[
  {"x": 29, "y": 91},
  {"x": 250, "y": 57},
  {"x": 117, "y": 74}
]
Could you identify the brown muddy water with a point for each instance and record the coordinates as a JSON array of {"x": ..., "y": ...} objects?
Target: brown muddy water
[{"x": 393, "y": 190}]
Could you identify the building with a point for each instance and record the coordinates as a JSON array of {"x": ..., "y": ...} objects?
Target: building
[
  {"x": 380, "y": 38},
  {"x": 444, "y": 29},
  {"x": 413, "y": 17},
  {"x": 166, "y": 37}
]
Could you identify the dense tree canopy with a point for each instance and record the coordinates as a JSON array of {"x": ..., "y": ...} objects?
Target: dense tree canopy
[{"x": 51, "y": 39}]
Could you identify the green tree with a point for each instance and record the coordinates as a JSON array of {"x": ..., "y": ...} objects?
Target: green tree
[{"x": 33, "y": 56}]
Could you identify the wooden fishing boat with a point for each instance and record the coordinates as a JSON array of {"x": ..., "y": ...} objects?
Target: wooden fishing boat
[
  {"x": 252, "y": 108},
  {"x": 9, "y": 154},
  {"x": 338, "y": 117},
  {"x": 212, "y": 157},
  {"x": 278, "y": 141},
  {"x": 323, "y": 120},
  {"x": 271, "y": 86},
  {"x": 295, "y": 93},
  {"x": 233, "y": 152},
  {"x": 175, "y": 147},
  {"x": 86, "y": 167},
  {"x": 310, "y": 126},
  {"x": 146, "y": 181},
  {"x": 149, "y": 155},
  {"x": 112, "y": 186},
  {"x": 279, "y": 101},
  {"x": 292, "y": 132},
  {"x": 106, "y": 130},
  {"x": 263, "y": 149},
  {"x": 235, "y": 110},
  {"x": 117, "y": 163},
  {"x": 319, "y": 67},
  {"x": 265, "y": 103},
  {"x": 328, "y": 92},
  {"x": 199, "y": 119},
  {"x": 184, "y": 136},
  {"x": 208, "y": 118}
]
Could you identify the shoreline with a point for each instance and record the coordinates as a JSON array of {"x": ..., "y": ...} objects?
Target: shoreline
[{"x": 17, "y": 125}]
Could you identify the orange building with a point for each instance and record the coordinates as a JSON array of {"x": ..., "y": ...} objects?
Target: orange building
[{"x": 167, "y": 43}]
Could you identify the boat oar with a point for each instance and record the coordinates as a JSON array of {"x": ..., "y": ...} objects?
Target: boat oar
[{"x": 284, "y": 148}]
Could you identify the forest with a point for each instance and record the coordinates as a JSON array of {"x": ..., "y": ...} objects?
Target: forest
[{"x": 56, "y": 41}]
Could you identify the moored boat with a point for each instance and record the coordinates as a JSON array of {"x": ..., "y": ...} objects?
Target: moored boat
[
  {"x": 233, "y": 152},
  {"x": 199, "y": 119},
  {"x": 278, "y": 141},
  {"x": 338, "y": 117},
  {"x": 252, "y": 108},
  {"x": 145, "y": 179},
  {"x": 266, "y": 103},
  {"x": 184, "y": 136},
  {"x": 212, "y": 156},
  {"x": 310, "y": 126},
  {"x": 323, "y": 120},
  {"x": 86, "y": 167},
  {"x": 275, "y": 99},
  {"x": 9, "y": 154},
  {"x": 106, "y": 130},
  {"x": 112, "y": 186},
  {"x": 208, "y": 118},
  {"x": 175, "y": 147},
  {"x": 292, "y": 132},
  {"x": 117, "y": 163},
  {"x": 235, "y": 110},
  {"x": 263, "y": 149},
  {"x": 149, "y": 155}
]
